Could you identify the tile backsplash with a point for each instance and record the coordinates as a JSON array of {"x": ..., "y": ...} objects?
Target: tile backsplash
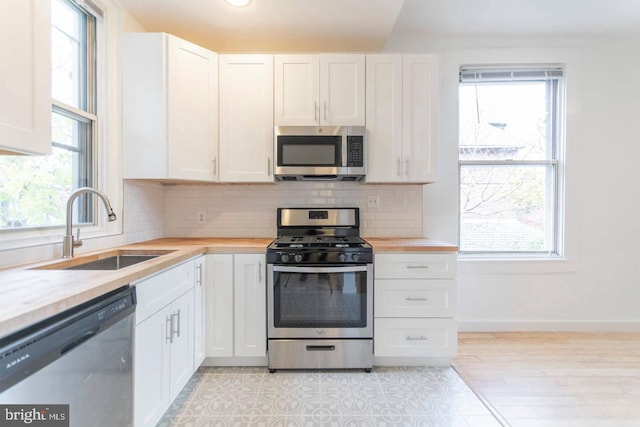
[
  {"x": 238, "y": 210},
  {"x": 143, "y": 211}
]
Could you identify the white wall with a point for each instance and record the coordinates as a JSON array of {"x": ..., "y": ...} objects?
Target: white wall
[{"x": 596, "y": 287}]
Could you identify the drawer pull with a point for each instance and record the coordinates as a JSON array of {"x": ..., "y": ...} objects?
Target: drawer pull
[
  {"x": 420, "y": 338},
  {"x": 417, "y": 266},
  {"x": 321, "y": 347},
  {"x": 416, "y": 299}
]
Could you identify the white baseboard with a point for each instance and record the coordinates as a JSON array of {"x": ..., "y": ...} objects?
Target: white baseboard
[
  {"x": 235, "y": 361},
  {"x": 547, "y": 326}
]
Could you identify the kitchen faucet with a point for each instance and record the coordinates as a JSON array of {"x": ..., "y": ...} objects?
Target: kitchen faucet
[{"x": 68, "y": 242}]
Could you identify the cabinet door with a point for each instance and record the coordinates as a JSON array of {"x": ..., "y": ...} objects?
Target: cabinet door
[
  {"x": 246, "y": 118},
  {"x": 219, "y": 305},
  {"x": 181, "y": 343},
  {"x": 192, "y": 110},
  {"x": 152, "y": 368},
  {"x": 250, "y": 332},
  {"x": 384, "y": 118},
  {"x": 296, "y": 90},
  {"x": 419, "y": 118},
  {"x": 198, "y": 313},
  {"x": 342, "y": 90},
  {"x": 25, "y": 73}
]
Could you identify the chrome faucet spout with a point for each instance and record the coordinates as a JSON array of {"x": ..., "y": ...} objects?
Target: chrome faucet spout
[{"x": 68, "y": 242}]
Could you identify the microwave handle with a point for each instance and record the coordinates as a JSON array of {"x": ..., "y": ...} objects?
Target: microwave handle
[{"x": 284, "y": 269}]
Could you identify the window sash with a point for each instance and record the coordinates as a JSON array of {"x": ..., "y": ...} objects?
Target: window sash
[
  {"x": 551, "y": 197},
  {"x": 552, "y": 74}
]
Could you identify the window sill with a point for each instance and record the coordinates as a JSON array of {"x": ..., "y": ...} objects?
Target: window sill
[{"x": 516, "y": 266}]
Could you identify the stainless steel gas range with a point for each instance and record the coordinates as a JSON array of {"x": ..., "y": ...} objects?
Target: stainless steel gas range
[{"x": 319, "y": 291}]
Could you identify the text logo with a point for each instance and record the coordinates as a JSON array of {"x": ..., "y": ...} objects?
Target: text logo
[{"x": 34, "y": 415}]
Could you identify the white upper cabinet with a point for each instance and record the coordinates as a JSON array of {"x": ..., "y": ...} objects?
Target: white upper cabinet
[
  {"x": 401, "y": 118},
  {"x": 319, "y": 90},
  {"x": 384, "y": 118},
  {"x": 170, "y": 99},
  {"x": 246, "y": 118},
  {"x": 25, "y": 77}
]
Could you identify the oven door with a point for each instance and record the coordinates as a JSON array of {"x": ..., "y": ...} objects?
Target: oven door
[{"x": 320, "y": 301}]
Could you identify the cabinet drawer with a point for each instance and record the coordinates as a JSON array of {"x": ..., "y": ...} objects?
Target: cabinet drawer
[
  {"x": 415, "y": 266},
  {"x": 415, "y": 337},
  {"x": 414, "y": 298},
  {"x": 162, "y": 288}
]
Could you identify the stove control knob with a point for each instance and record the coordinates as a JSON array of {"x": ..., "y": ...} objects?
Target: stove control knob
[
  {"x": 355, "y": 256},
  {"x": 297, "y": 257},
  {"x": 342, "y": 257},
  {"x": 284, "y": 257}
]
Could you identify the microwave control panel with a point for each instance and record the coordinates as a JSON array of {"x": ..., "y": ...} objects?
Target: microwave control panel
[{"x": 355, "y": 151}]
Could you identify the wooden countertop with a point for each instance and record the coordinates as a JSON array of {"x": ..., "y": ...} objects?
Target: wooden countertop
[
  {"x": 407, "y": 244},
  {"x": 35, "y": 292}
]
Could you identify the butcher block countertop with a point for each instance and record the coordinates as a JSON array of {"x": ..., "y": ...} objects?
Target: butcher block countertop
[
  {"x": 34, "y": 292},
  {"x": 405, "y": 244}
]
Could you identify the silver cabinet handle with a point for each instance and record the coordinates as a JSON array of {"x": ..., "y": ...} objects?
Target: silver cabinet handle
[
  {"x": 399, "y": 172},
  {"x": 175, "y": 331},
  {"x": 418, "y": 266},
  {"x": 315, "y": 112},
  {"x": 215, "y": 165},
  {"x": 169, "y": 329},
  {"x": 420, "y": 338},
  {"x": 406, "y": 169},
  {"x": 416, "y": 299},
  {"x": 199, "y": 278},
  {"x": 268, "y": 166},
  {"x": 259, "y": 271}
]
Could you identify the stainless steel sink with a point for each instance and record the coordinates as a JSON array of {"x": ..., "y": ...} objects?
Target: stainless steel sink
[
  {"x": 115, "y": 262},
  {"x": 110, "y": 260}
]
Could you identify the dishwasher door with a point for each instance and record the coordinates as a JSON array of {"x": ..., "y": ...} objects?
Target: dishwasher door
[{"x": 82, "y": 358}]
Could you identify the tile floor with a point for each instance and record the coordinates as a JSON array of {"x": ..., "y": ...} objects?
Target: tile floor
[{"x": 406, "y": 396}]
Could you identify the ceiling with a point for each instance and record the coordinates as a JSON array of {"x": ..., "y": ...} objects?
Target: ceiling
[{"x": 365, "y": 25}]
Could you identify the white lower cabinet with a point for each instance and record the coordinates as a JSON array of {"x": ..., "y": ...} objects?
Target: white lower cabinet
[
  {"x": 164, "y": 340},
  {"x": 236, "y": 321},
  {"x": 414, "y": 305},
  {"x": 198, "y": 312}
]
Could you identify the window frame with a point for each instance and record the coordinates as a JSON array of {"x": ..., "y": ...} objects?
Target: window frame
[
  {"x": 44, "y": 242},
  {"x": 553, "y": 163}
]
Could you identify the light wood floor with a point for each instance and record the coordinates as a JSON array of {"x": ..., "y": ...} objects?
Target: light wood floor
[{"x": 555, "y": 379}]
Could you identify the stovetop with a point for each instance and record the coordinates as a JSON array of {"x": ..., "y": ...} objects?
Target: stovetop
[
  {"x": 318, "y": 242},
  {"x": 319, "y": 236}
]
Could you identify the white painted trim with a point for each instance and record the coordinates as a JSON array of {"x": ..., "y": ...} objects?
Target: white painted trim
[
  {"x": 235, "y": 361},
  {"x": 548, "y": 326}
]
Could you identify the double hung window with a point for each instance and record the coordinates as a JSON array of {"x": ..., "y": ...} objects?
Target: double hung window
[
  {"x": 33, "y": 189},
  {"x": 510, "y": 157}
]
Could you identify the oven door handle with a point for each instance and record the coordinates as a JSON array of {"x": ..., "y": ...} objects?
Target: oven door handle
[{"x": 285, "y": 269}]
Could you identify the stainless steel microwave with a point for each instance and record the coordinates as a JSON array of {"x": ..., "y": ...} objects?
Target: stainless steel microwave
[{"x": 320, "y": 153}]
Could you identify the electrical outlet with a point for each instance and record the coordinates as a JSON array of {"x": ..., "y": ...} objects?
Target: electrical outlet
[
  {"x": 373, "y": 202},
  {"x": 202, "y": 217}
]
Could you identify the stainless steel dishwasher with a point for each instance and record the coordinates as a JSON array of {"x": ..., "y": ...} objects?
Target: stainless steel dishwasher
[{"x": 81, "y": 358}]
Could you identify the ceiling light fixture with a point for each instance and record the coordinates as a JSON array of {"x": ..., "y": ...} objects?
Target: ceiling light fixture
[{"x": 238, "y": 3}]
